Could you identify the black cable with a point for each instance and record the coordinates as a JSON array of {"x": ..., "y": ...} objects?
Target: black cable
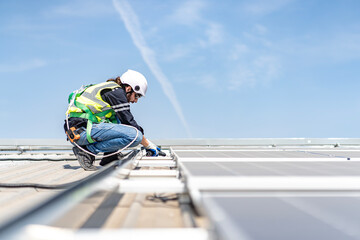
[
  {"x": 37, "y": 185},
  {"x": 50, "y": 186}
]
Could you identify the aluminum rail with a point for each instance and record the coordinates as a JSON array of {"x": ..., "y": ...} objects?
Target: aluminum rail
[{"x": 57, "y": 205}]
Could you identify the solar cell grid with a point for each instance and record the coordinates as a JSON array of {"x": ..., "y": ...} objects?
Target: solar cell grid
[
  {"x": 302, "y": 193},
  {"x": 339, "y": 153},
  {"x": 267, "y": 153},
  {"x": 189, "y": 154},
  {"x": 249, "y": 154},
  {"x": 286, "y": 217},
  {"x": 198, "y": 169}
]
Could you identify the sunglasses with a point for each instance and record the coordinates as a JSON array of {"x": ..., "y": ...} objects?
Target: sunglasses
[{"x": 138, "y": 95}]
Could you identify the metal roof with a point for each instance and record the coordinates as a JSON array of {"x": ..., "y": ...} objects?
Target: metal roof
[
  {"x": 203, "y": 189},
  {"x": 15, "y": 200}
]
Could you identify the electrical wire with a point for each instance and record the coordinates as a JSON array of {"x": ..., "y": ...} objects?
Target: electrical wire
[
  {"x": 51, "y": 186},
  {"x": 38, "y": 185}
]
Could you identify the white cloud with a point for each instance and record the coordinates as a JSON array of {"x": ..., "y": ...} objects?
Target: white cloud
[
  {"x": 260, "y": 29},
  {"x": 261, "y": 70},
  {"x": 214, "y": 35},
  {"x": 22, "y": 66},
  {"x": 26, "y": 26},
  {"x": 241, "y": 75},
  {"x": 177, "y": 52},
  {"x": 257, "y": 39},
  {"x": 238, "y": 51},
  {"x": 189, "y": 12},
  {"x": 81, "y": 8},
  {"x": 268, "y": 67},
  {"x": 338, "y": 47},
  {"x": 207, "y": 81},
  {"x": 263, "y": 7},
  {"x": 317, "y": 49},
  {"x": 132, "y": 24}
]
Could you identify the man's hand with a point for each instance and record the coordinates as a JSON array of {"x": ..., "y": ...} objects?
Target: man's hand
[{"x": 153, "y": 149}]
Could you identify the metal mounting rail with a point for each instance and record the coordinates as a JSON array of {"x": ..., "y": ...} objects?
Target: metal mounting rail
[
  {"x": 153, "y": 181},
  {"x": 57, "y": 205}
]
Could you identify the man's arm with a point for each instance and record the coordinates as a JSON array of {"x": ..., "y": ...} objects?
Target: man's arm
[
  {"x": 118, "y": 101},
  {"x": 144, "y": 142}
]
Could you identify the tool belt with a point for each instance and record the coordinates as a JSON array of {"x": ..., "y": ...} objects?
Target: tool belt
[{"x": 73, "y": 134}]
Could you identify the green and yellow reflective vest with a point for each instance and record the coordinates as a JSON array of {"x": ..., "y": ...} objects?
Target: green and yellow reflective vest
[{"x": 89, "y": 104}]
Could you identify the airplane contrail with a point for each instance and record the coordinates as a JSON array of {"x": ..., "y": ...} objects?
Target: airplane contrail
[{"x": 132, "y": 25}]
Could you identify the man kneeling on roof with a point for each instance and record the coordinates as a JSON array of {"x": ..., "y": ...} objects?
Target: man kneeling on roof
[{"x": 98, "y": 119}]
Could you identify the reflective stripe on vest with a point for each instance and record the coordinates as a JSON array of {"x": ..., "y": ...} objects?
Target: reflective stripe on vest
[{"x": 91, "y": 98}]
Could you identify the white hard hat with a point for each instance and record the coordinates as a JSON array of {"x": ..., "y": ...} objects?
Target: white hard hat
[{"x": 136, "y": 80}]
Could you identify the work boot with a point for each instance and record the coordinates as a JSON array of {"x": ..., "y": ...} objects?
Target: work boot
[
  {"x": 85, "y": 160},
  {"x": 106, "y": 160}
]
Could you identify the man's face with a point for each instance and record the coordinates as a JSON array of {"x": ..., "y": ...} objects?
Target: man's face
[{"x": 131, "y": 96}]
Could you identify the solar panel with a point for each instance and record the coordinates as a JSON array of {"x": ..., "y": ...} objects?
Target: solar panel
[
  {"x": 266, "y": 153},
  {"x": 200, "y": 169},
  {"x": 338, "y": 153},
  {"x": 277, "y": 194},
  {"x": 297, "y": 217},
  {"x": 247, "y": 154}
]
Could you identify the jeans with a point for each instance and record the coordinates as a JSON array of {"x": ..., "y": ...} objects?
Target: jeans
[{"x": 110, "y": 137}]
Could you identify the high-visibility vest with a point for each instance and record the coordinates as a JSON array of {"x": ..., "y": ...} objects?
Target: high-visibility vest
[{"x": 89, "y": 104}]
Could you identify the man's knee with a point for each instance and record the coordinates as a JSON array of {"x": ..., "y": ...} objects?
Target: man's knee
[{"x": 139, "y": 137}]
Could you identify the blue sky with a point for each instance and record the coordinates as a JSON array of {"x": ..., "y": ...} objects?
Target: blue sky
[{"x": 216, "y": 69}]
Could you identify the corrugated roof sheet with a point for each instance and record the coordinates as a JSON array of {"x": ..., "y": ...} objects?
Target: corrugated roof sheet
[{"x": 16, "y": 200}]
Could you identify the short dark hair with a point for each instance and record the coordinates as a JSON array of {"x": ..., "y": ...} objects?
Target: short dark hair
[{"x": 118, "y": 81}]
